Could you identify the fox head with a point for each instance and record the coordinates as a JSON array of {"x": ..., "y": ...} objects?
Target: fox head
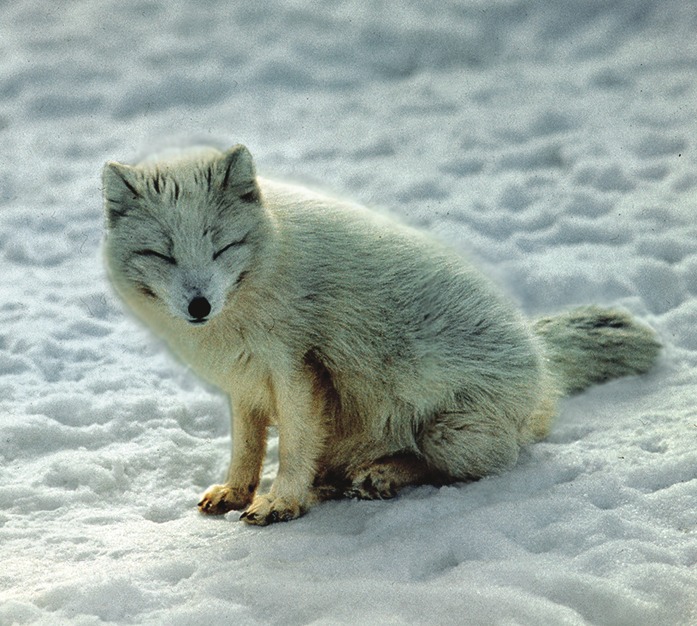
[{"x": 182, "y": 233}]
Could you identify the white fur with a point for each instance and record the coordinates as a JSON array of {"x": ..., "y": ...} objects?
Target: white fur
[{"x": 381, "y": 355}]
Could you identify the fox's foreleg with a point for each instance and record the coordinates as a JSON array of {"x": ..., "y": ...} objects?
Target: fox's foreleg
[
  {"x": 301, "y": 437},
  {"x": 248, "y": 431}
]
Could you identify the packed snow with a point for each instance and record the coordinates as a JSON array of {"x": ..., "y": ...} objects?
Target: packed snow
[{"x": 553, "y": 142}]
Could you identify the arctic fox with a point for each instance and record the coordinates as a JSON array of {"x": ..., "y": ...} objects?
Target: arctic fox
[{"x": 382, "y": 357}]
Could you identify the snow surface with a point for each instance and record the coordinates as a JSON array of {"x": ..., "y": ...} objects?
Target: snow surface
[{"x": 553, "y": 141}]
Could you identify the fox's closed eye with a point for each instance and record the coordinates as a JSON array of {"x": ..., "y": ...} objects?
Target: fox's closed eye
[
  {"x": 157, "y": 255},
  {"x": 232, "y": 244}
]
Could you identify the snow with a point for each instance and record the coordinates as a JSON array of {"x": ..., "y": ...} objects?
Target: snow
[{"x": 552, "y": 141}]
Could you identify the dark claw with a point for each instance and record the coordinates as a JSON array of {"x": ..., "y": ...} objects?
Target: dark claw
[{"x": 277, "y": 516}]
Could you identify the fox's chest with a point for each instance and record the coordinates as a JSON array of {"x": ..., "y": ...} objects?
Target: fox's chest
[{"x": 230, "y": 363}]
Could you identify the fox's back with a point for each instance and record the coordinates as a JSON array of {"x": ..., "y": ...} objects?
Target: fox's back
[{"x": 391, "y": 307}]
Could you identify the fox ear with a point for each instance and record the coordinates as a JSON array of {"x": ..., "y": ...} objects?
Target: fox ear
[
  {"x": 238, "y": 175},
  {"x": 120, "y": 189}
]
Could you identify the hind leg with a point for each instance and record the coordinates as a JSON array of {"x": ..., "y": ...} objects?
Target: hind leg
[
  {"x": 380, "y": 479},
  {"x": 466, "y": 445}
]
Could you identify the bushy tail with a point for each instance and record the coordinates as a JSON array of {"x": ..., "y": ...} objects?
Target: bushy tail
[{"x": 591, "y": 345}]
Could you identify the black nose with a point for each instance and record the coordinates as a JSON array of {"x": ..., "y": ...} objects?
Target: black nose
[{"x": 199, "y": 307}]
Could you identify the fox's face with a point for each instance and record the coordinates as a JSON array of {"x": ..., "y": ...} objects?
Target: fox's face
[{"x": 181, "y": 235}]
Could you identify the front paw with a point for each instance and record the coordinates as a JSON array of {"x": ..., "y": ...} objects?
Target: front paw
[
  {"x": 220, "y": 499},
  {"x": 268, "y": 509}
]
